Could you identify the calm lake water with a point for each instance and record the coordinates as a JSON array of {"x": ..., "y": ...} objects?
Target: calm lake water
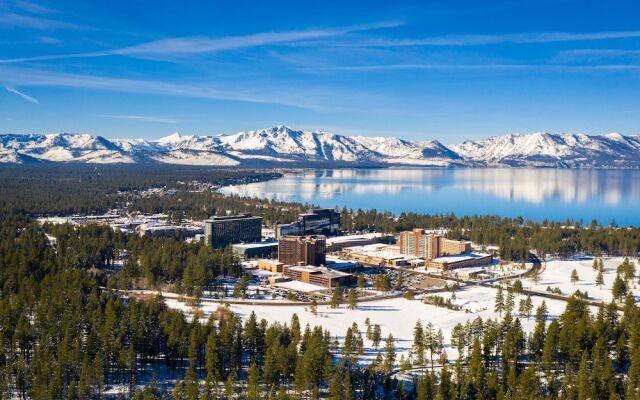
[{"x": 531, "y": 193}]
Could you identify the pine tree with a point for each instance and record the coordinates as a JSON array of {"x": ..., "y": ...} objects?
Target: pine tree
[
  {"x": 509, "y": 304},
  {"x": 353, "y": 299},
  {"x": 599, "y": 280},
  {"x": 313, "y": 307},
  {"x": 574, "y": 277},
  {"x": 230, "y": 385},
  {"x": 418, "y": 343},
  {"x": 600, "y": 265},
  {"x": 528, "y": 306},
  {"x": 336, "y": 388},
  {"x": 619, "y": 288},
  {"x": 499, "y": 303},
  {"x": 390, "y": 353},
  {"x": 584, "y": 383},
  {"x": 253, "y": 382},
  {"x": 336, "y": 298},
  {"x": 376, "y": 336},
  {"x": 360, "y": 281},
  {"x": 522, "y": 307},
  {"x": 212, "y": 359}
]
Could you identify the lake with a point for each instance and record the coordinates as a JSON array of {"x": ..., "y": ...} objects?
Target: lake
[{"x": 555, "y": 194}]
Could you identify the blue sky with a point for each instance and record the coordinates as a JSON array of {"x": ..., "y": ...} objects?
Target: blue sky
[{"x": 420, "y": 70}]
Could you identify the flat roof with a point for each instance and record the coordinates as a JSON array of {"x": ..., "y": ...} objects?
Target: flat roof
[
  {"x": 299, "y": 286},
  {"x": 349, "y": 238},
  {"x": 257, "y": 245},
  {"x": 378, "y": 250},
  {"x": 223, "y": 218},
  {"x": 322, "y": 270},
  {"x": 460, "y": 257}
]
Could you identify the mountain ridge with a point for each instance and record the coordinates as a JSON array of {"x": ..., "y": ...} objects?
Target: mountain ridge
[{"x": 282, "y": 146}]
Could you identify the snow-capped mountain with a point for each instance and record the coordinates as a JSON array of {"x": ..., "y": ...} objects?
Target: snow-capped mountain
[
  {"x": 282, "y": 145},
  {"x": 64, "y": 147},
  {"x": 565, "y": 150}
]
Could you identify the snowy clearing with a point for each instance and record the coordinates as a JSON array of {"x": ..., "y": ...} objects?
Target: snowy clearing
[
  {"x": 557, "y": 273},
  {"x": 396, "y": 316}
]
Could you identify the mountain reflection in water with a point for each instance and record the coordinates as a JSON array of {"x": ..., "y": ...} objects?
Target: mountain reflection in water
[{"x": 555, "y": 194}]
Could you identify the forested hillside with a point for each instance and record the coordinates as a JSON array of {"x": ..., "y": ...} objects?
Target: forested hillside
[{"x": 67, "y": 332}]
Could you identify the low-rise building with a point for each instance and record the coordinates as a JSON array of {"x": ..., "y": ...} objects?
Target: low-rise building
[
  {"x": 320, "y": 276},
  {"x": 448, "y": 263},
  {"x": 273, "y": 279},
  {"x": 156, "y": 231},
  {"x": 376, "y": 255},
  {"x": 338, "y": 243},
  {"x": 274, "y": 266},
  {"x": 255, "y": 250}
]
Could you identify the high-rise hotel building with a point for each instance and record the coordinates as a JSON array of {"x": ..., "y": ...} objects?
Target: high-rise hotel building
[
  {"x": 302, "y": 250},
  {"x": 221, "y": 231},
  {"x": 425, "y": 245},
  {"x": 316, "y": 221}
]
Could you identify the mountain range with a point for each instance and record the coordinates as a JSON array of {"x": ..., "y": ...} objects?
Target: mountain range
[{"x": 283, "y": 146}]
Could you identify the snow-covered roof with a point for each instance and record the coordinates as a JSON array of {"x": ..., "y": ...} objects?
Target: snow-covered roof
[{"x": 459, "y": 257}]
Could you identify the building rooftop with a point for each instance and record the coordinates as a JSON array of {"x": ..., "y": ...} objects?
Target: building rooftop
[
  {"x": 319, "y": 270},
  {"x": 303, "y": 238},
  {"x": 257, "y": 245},
  {"x": 378, "y": 250},
  {"x": 459, "y": 257},
  {"x": 220, "y": 218},
  {"x": 349, "y": 238}
]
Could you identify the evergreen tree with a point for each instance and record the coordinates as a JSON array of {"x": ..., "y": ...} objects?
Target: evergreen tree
[
  {"x": 353, "y": 299},
  {"x": 599, "y": 280},
  {"x": 376, "y": 336},
  {"x": 253, "y": 382},
  {"x": 499, "y": 302},
  {"x": 390, "y": 353},
  {"x": 313, "y": 307},
  {"x": 360, "y": 281},
  {"x": 619, "y": 288},
  {"x": 509, "y": 304},
  {"x": 584, "y": 381},
  {"x": 574, "y": 277},
  {"x": 336, "y": 298},
  {"x": 418, "y": 343}
]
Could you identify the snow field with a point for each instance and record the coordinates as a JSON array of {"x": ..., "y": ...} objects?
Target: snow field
[
  {"x": 557, "y": 273},
  {"x": 396, "y": 316}
]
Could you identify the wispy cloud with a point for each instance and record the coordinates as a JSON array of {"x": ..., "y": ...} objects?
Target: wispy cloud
[
  {"x": 11, "y": 19},
  {"x": 548, "y": 67},
  {"x": 48, "y": 40},
  {"x": 597, "y": 54},
  {"x": 176, "y": 47},
  {"x": 479, "y": 40},
  {"x": 311, "y": 98},
  {"x": 32, "y": 7},
  {"x": 195, "y": 45},
  {"x": 24, "y": 96},
  {"x": 143, "y": 118}
]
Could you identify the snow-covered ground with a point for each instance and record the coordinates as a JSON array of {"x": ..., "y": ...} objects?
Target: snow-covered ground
[
  {"x": 557, "y": 273},
  {"x": 399, "y": 315},
  {"x": 396, "y": 316},
  {"x": 300, "y": 286}
]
